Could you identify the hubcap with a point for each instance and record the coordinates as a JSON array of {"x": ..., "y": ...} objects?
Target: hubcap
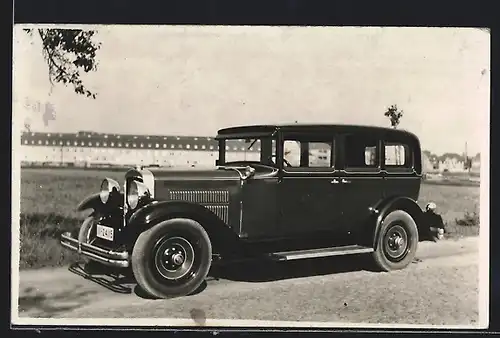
[
  {"x": 396, "y": 243},
  {"x": 173, "y": 257}
]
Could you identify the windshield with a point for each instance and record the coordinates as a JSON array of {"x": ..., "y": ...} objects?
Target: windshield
[{"x": 256, "y": 150}]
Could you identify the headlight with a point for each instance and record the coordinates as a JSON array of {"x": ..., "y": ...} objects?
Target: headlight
[
  {"x": 108, "y": 185},
  {"x": 136, "y": 191}
]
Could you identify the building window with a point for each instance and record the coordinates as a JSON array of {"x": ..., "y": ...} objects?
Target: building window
[
  {"x": 195, "y": 146},
  {"x": 82, "y": 144},
  {"x": 235, "y": 148},
  {"x": 90, "y": 144},
  {"x": 46, "y": 142},
  {"x": 172, "y": 146},
  {"x": 60, "y": 143},
  {"x": 134, "y": 145},
  {"x": 164, "y": 137},
  {"x": 53, "y": 143},
  {"x": 119, "y": 144},
  {"x": 112, "y": 144},
  {"x": 97, "y": 144},
  {"x": 188, "y": 146},
  {"x": 180, "y": 146},
  {"x": 164, "y": 145},
  {"x": 157, "y": 145},
  {"x": 39, "y": 141},
  {"x": 147, "y": 137},
  {"x": 196, "y": 139},
  {"x": 105, "y": 136},
  {"x": 105, "y": 144},
  {"x": 48, "y": 134},
  {"x": 203, "y": 146},
  {"x": 211, "y": 147},
  {"x": 242, "y": 148},
  {"x": 142, "y": 145},
  {"x": 208, "y": 138},
  {"x": 118, "y": 136},
  {"x": 25, "y": 141},
  {"x": 126, "y": 145},
  {"x": 88, "y": 136},
  {"x": 227, "y": 147}
]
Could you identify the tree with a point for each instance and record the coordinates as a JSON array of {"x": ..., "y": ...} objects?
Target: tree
[
  {"x": 67, "y": 52},
  {"x": 395, "y": 115}
]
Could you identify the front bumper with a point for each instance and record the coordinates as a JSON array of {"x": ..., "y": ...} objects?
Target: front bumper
[{"x": 118, "y": 259}]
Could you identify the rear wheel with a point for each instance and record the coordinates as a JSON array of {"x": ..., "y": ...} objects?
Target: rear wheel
[
  {"x": 172, "y": 258},
  {"x": 396, "y": 242}
]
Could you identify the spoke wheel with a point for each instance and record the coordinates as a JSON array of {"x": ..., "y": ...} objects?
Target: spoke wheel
[
  {"x": 172, "y": 258},
  {"x": 396, "y": 241}
]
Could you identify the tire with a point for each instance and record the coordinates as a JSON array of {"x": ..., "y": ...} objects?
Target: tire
[
  {"x": 390, "y": 252},
  {"x": 86, "y": 228},
  {"x": 172, "y": 258}
]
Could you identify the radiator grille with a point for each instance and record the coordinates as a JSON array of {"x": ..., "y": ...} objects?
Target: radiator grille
[
  {"x": 216, "y": 201},
  {"x": 222, "y": 211},
  {"x": 200, "y": 196}
]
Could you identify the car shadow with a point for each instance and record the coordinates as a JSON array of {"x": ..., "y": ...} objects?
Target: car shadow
[{"x": 267, "y": 271}]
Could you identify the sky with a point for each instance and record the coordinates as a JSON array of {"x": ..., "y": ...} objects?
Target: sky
[{"x": 194, "y": 80}]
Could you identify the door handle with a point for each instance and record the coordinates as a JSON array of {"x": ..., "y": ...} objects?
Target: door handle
[
  {"x": 344, "y": 181},
  {"x": 335, "y": 181}
]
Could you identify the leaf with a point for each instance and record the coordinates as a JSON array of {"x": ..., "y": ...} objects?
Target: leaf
[{"x": 67, "y": 51}]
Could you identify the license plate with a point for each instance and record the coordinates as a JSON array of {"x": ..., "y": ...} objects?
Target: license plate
[{"x": 105, "y": 232}]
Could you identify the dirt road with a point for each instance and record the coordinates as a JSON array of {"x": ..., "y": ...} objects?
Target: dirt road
[{"x": 440, "y": 288}]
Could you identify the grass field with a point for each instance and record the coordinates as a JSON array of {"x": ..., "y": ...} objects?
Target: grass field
[{"x": 49, "y": 198}]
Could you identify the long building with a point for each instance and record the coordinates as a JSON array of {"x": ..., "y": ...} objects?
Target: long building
[{"x": 91, "y": 149}]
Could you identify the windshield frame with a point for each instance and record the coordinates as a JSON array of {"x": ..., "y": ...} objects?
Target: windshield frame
[{"x": 266, "y": 144}]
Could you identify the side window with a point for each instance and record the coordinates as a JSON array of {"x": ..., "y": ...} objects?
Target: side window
[
  {"x": 320, "y": 154},
  {"x": 308, "y": 154},
  {"x": 397, "y": 155},
  {"x": 360, "y": 152}
]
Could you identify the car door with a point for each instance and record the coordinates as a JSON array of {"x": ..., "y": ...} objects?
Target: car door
[
  {"x": 400, "y": 178},
  {"x": 361, "y": 182},
  {"x": 308, "y": 194}
]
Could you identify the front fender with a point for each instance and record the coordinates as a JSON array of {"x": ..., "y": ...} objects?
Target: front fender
[
  {"x": 90, "y": 202},
  {"x": 153, "y": 213},
  {"x": 93, "y": 201},
  {"x": 397, "y": 203}
]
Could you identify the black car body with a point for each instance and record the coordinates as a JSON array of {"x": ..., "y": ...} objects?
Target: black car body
[{"x": 343, "y": 194}]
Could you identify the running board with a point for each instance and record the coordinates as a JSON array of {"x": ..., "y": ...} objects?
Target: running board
[{"x": 323, "y": 252}]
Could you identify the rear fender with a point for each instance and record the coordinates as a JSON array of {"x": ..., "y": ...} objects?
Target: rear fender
[
  {"x": 221, "y": 236},
  {"x": 397, "y": 203}
]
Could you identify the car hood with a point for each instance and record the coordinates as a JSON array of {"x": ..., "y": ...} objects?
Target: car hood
[{"x": 220, "y": 173}]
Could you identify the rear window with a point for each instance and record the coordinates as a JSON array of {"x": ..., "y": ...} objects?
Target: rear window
[{"x": 397, "y": 155}]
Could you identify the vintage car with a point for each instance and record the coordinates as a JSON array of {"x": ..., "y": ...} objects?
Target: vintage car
[{"x": 309, "y": 191}]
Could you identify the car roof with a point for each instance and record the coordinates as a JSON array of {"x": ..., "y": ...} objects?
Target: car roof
[{"x": 262, "y": 130}]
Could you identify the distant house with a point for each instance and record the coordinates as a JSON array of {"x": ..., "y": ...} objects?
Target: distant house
[{"x": 476, "y": 163}]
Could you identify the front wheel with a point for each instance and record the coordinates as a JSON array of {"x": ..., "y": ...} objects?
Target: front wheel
[
  {"x": 172, "y": 258},
  {"x": 396, "y": 242}
]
